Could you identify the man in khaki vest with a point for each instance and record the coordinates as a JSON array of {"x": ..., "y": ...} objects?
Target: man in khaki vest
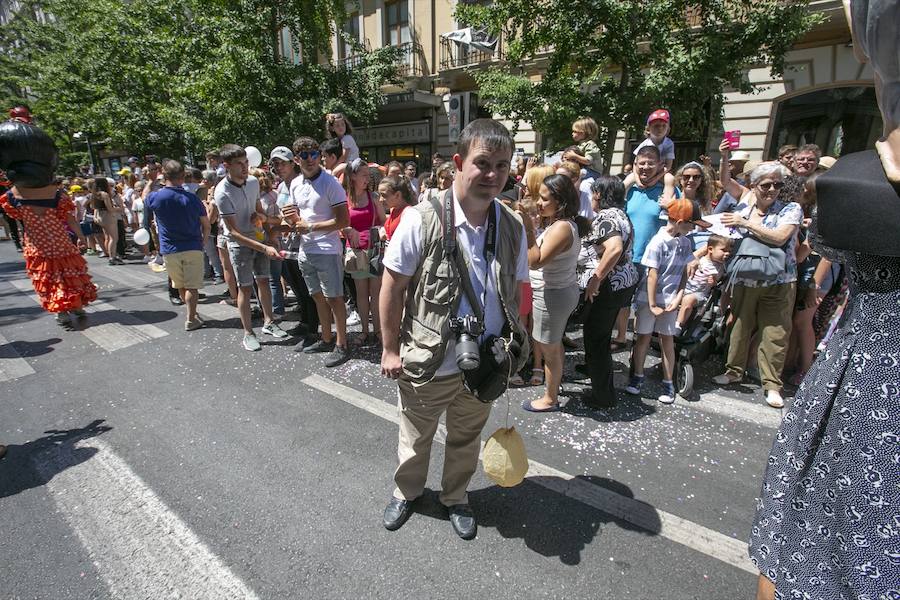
[{"x": 420, "y": 294}]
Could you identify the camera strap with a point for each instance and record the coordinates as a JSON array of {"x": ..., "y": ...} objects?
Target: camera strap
[{"x": 454, "y": 256}]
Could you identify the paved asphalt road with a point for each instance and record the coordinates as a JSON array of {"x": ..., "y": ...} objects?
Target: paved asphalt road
[{"x": 147, "y": 462}]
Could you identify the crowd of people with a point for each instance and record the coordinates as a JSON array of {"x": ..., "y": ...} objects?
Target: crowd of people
[
  {"x": 472, "y": 276},
  {"x": 604, "y": 253}
]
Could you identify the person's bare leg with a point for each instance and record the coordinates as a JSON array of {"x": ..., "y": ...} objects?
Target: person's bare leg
[
  {"x": 190, "y": 297},
  {"x": 687, "y": 307},
  {"x": 244, "y": 294},
  {"x": 553, "y": 362},
  {"x": 265, "y": 298},
  {"x": 374, "y": 291},
  {"x": 765, "y": 589},
  {"x": 339, "y": 310},
  {"x": 362, "y": 304},
  {"x": 667, "y": 343},
  {"x": 324, "y": 312},
  {"x": 639, "y": 353},
  {"x": 228, "y": 272},
  {"x": 622, "y": 325}
]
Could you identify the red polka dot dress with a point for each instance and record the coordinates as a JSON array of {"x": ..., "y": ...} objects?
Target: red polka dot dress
[{"x": 53, "y": 263}]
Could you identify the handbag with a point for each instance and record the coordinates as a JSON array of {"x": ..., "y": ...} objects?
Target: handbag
[
  {"x": 375, "y": 252},
  {"x": 357, "y": 259},
  {"x": 756, "y": 260}
]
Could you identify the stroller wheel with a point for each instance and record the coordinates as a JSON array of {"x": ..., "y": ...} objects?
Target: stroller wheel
[{"x": 684, "y": 378}]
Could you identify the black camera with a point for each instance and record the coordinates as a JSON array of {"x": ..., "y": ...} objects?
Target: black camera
[{"x": 467, "y": 330}]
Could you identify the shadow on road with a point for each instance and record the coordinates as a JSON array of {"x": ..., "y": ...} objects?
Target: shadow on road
[
  {"x": 29, "y": 349},
  {"x": 18, "y": 471},
  {"x": 550, "y": 523}
]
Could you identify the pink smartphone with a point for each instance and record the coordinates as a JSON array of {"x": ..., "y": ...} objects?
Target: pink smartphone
[{"x": 733, "y": 138}]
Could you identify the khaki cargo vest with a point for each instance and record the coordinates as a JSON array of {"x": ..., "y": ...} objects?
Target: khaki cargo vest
[{"x": 434, "y": 294}]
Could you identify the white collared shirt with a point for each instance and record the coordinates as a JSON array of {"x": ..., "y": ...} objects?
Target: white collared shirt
[{"x": 405, "y": 251}]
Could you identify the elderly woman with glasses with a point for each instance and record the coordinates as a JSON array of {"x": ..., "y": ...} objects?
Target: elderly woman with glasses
[{"x": 763, "y": 306}]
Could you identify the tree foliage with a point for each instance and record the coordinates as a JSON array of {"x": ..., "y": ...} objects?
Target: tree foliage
[
  {"x": 616, "y": 60},
  {"x": 172, "y": 76}
]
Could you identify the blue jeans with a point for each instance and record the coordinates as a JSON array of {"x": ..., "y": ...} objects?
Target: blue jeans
[{"x": 275, "y": 286}]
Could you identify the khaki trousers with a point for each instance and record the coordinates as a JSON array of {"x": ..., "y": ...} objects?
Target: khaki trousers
[
  {"x": 420, "y": 409},
  {"x": 770, "y": 311}
]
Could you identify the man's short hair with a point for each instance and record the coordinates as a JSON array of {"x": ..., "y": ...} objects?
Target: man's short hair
[
  {"x": 229, "y": 152},
  {"x": 411, "y": 164},
  {"x": 787, "y": 149},
  {"x": 488, "y": 132},
  {"x": 809, "y": 148},
  {"x": 650, "y": 151},
  {"x": 304, "y": 143},
  {"x": 214, "y": 155},
  {"x": 172, "y": 170},
  {"x": 332, "y": 146}
]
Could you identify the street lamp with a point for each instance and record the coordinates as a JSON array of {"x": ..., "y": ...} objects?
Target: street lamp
[{"x": 80, "y": 134}]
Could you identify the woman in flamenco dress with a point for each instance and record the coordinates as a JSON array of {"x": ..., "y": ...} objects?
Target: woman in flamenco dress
[
  {"x": 828, "y": 521},
  {"x": 53, "y": 263}
]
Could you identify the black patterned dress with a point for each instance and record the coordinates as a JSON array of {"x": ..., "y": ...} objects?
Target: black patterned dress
[{"x": 828, "y": 522}]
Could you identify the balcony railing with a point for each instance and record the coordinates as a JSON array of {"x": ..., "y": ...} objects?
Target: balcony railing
[
  {"x": 411, "y": 61},
  {"x": 455, "y": 55}
]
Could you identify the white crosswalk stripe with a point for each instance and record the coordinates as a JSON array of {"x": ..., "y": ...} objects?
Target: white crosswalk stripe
[
  {"x": 139, "y": 546},
  {"x": 12, "y": 365},
  {"x": 108, "y": 327},
  {"x": 127, "y": 275},
  {"x": 672, "y": 527}
]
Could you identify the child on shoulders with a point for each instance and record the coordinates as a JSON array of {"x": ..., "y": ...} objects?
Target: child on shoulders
[{"x": 586, "y": 151}]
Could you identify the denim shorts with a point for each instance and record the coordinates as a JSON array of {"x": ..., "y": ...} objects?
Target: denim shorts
[
  {"x": 323, "y": 273},
  {"x": 248, "y": 264}
]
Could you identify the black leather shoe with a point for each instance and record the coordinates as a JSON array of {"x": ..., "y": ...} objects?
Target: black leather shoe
[
  {"x": 396, "y": 513},
  {"x": 463, "y": 521}
]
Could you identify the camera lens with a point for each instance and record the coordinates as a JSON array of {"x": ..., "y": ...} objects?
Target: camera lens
[{"x": 467, "y": 356}]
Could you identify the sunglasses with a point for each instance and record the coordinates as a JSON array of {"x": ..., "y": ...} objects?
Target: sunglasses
[
  {"x": 692, "y": 177},
  {"x": 313, "y": 154},
  {"x": 770, "y": 185}
]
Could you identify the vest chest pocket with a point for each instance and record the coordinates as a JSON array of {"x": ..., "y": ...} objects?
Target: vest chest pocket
[{"x": 438, "y": 284}]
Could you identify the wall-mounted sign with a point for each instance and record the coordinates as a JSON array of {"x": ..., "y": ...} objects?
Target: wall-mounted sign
[{"x": 416, "y": 132}]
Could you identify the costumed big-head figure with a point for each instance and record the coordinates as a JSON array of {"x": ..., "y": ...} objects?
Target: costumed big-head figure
[
  {"x": 859, "y": 198},
  {"x": 27, "y": 155}
]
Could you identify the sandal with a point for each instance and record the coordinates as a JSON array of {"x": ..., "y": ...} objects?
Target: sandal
[
  {"x": 616, "y": 346},
  {"x": 537, "y": 377},
  {"x": 516, "y": 380}
]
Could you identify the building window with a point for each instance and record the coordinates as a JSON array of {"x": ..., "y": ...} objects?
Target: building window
[
  {"x": 286, "y": 47},
  {"x": 396, "y": 22},
  {"x": 351, "y": 30},
  {"x": 839, "y": 120}
]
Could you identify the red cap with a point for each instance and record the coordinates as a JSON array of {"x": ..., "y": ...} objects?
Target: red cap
[
  {"x": 660, "y": 114},
  {"x": 20, "y": 113}
]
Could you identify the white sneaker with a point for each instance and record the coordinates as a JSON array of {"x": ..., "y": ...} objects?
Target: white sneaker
[
  {"x": 274, "y": 330},
  {"x": 250, "y": 342},
  {"x": 774, "y": 399},
  {"x": 353, "y": 318}
]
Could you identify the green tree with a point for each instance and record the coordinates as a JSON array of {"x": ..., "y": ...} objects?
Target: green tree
[
  {"x": 179, "y": 76},
  {"x": 616, "y": 60}
]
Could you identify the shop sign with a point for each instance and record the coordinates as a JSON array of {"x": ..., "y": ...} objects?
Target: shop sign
[{"x": 417, "y": 132}]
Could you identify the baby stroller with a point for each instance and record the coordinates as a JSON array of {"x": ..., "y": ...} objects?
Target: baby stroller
[{"x": 703, "y": 335}]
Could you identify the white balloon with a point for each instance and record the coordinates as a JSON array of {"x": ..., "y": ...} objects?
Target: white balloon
[
  {"x": 254, "y": 156},
  {"x": 141, "y": 236}
]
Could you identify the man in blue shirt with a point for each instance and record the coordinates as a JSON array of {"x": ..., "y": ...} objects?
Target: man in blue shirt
[{"x": 182, "y": 226}]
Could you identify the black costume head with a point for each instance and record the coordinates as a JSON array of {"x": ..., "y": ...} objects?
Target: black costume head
[{"x": 27, "y": 154}]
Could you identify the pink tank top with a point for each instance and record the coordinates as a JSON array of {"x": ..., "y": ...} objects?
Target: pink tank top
[{"x": 361, "y": 219}]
